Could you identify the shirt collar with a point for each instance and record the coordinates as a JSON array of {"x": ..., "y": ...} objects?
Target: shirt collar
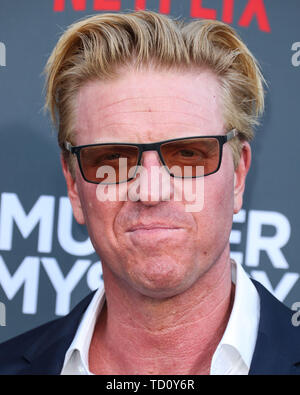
[
  {"x": 239, "y": 339},
  {"x": 76, "y": 358}
]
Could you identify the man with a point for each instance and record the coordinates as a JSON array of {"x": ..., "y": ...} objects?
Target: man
[{"x": 131, "y": 93}]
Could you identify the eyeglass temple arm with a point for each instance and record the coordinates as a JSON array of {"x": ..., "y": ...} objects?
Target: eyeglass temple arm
[
  {"x": 68, "y": 146},
  {"x": 233, "y": 133}
]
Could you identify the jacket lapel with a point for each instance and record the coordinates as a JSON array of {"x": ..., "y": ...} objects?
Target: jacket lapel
[
  {"x": 277, "y": 350},
  {"x": 47, "y": 354}
]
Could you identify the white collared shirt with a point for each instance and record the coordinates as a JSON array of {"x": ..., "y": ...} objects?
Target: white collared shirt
[{"x": 233, "y": 355}]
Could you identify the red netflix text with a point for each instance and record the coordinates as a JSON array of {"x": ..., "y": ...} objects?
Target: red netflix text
[{"x": 255, "y": 9}]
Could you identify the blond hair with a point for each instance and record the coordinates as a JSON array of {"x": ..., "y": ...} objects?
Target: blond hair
[{"x": 100, "y": 46}]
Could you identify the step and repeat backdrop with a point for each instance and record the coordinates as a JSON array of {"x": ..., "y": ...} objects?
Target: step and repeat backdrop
[{"x": 47, "y": 263}]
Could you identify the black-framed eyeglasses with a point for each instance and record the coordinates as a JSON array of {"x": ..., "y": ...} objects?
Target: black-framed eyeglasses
[{"x": 96, "y": 161}]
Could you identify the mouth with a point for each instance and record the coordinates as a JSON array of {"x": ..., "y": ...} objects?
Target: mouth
[{"x": 152, "y": 228}]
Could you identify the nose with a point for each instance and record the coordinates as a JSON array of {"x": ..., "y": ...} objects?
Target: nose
[
  {"x": 150, "y": 158},
  {"x": 154, "y": 182}
]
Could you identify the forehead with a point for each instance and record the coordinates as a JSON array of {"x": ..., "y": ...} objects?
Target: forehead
[{"x": 145, "y": 106}]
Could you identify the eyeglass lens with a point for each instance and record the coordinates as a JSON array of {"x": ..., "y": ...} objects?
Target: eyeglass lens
[{"x": 116, "y": 163}]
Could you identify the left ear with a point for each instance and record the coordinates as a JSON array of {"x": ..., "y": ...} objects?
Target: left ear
[{"x": 240, "y": 176}]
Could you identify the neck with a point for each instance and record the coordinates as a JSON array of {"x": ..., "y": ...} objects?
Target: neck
[{"x": 136, "y": 334}]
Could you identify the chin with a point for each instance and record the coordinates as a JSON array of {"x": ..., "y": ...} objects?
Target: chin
[{"x": 163, "y": 279}]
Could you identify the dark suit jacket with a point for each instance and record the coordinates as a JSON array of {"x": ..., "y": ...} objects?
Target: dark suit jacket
[{"x": 42, "y": 350}]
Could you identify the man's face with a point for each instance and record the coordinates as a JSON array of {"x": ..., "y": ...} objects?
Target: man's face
[{"x": 156, "y": 247}]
